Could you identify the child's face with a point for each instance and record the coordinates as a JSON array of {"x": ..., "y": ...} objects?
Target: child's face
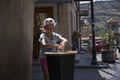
[{"x": 49, "y": 29}]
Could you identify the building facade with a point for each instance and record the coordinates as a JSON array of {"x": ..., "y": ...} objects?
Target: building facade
[
  {"x": 64, "y": 13},
  {"x": 113, "y": 26}
]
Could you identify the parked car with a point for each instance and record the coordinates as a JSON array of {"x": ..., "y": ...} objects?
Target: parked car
[
  {"x": 99, "y": 46},
  {"x": 84, "y": 47}
]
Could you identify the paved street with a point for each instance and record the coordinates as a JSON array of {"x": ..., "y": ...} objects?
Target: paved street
[
  {"x": 85, "y": 73},
  {"x": 111, "y": 73}
]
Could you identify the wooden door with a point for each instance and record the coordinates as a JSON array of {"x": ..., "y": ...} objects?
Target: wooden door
[{"x": 40, "y": 13}]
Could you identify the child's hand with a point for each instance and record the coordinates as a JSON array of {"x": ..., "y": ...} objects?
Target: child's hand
[
  {"x": 61, "y": 46},
  {"x": 56, "y": 45}
]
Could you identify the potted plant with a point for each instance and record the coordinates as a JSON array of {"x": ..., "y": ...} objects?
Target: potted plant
[
  {"x": 75, "y": 37},
  {"x": 108, "y": 38}
]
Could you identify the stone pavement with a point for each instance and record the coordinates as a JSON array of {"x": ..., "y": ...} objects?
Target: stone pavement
[
  {"x": 84, "y": 60},
  {"x": 36, "y": 72},
  {"x": 111, "y": 73},
  {"x": 85, "y": 73}
]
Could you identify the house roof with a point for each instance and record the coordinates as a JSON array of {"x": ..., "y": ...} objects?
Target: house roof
[
  {"x": 84, "y": 22},
  {"x": 111, "y": 20},
  {"x": 86, "y": 38},
  {"x": 54, "y": 1}
]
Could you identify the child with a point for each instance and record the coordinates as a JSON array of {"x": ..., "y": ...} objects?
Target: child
[{"x": 49, "y": 43}]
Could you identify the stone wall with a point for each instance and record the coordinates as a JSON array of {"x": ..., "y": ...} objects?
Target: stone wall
[
  {"x": 63, "y": 20},
  {"x": 67, "y": 20},
  {"x": 16, "y": 37}
]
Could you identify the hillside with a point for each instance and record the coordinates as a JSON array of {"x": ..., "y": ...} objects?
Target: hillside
[{"x": 104, "y": 10}]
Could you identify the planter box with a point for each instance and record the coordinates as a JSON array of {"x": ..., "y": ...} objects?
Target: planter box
[
  {"x": 108, "y": 56},
  {"x": 61, "y": 65}
]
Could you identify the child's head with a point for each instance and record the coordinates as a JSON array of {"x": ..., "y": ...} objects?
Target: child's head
[
  {"x": 49, "y": 25},
  {"x": 49, "y": 21}
]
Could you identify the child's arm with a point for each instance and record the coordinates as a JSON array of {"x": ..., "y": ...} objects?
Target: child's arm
[
  {"x": 48, "y": 45},
  {"x": 63, "y": 41}
]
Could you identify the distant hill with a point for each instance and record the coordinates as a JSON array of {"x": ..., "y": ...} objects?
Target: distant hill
[{"x": 104, "y": 10}]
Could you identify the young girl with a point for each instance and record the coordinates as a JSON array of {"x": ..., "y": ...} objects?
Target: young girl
[{"x": 49, "y": 43}]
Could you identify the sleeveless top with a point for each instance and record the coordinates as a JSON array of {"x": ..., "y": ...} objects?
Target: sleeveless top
[{"x": 55, "y": 39}]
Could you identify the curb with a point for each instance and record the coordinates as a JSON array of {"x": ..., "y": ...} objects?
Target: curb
[{"x": 99, "y": 65}]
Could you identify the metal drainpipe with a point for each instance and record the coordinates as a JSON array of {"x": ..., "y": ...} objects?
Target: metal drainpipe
[
  {"x": 94, "y": 60},
  {"x": 58, "y": 12},
  {"x": 78, "y": 25},
  {"x": 77, "y": 15}
]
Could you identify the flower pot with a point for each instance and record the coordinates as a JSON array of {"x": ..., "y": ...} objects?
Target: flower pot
[{"x": 108, "y": 56}]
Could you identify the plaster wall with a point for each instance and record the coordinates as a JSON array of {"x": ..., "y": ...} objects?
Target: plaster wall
[
  {"x": 16, "y": 39},
  {"x": 67, "y": 20}
]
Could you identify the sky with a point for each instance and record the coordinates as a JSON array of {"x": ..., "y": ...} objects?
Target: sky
[
  {"x": 102, "y": 0},
  {"x": 96, "y": 0}
]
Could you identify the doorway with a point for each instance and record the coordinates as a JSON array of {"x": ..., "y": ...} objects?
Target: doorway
[{"x": 40, "y": 13}]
